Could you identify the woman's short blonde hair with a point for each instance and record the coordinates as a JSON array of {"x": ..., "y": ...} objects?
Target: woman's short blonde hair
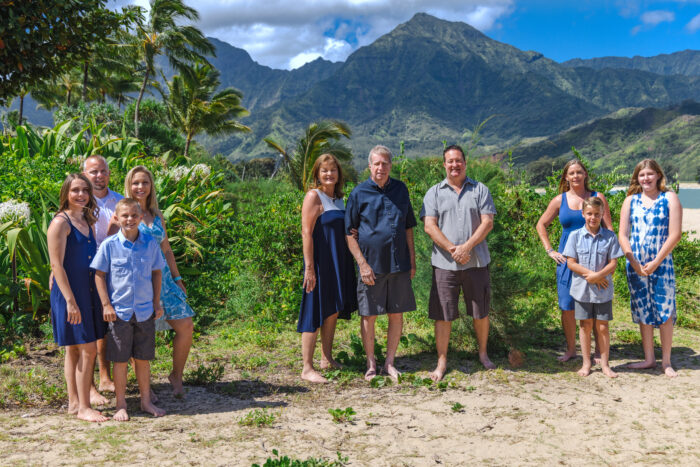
[{"x": 315, "y": 181}]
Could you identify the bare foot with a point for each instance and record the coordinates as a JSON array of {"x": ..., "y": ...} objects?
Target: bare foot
[
  {"x": 607, "y": 371},
  {"x": 107, "y": 385},
  {"x": 153, "y": 396},
  {"x": 72, "y": 408},
  {"x": 91, "y": 415},
  {"x": 96, "y": 398},
  {"x": 392, "y": 372},
  {"x": 152, "y": 409},
  {"x": 121, "y": 415},
  {"x": 326, "y": 364},
  {"x": 488, "y": 364},
  {"x": 313, "y": 376},
  {"x": 567, "y": 356},
  {"x": 596, "y": 358},
  {"x": 585, "y": 370},
  {"x": 643, "y": 365},
  {"x": 669, "y": 371},
  {"x": 371, "y": 370},
  {"x": 178, "y": 389},
  {"x": 438, "y": 373}
]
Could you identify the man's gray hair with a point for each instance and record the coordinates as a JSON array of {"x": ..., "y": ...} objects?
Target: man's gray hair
[
  {"x": 94, "y": 156},
  {"x": 381, "y": 151}
]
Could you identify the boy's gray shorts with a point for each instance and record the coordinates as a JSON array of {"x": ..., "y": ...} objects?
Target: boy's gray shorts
[
  {"x": 126, "y": 339},
  {"x": 391, "y": 293},
  {"x": 601, "y": 311}
]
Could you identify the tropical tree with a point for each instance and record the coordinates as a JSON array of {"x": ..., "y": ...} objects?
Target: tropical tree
[
  {"x": 319, "y": 138},
  {"x": 162, "y": 34},
  {"x": 194, "y": 105}
]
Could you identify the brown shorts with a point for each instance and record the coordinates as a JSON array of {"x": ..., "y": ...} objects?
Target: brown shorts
[
  {"x": 126, "y": 339},
  {"x": 475, "y": 283}
]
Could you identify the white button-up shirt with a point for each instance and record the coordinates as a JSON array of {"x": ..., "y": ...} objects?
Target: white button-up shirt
[{"x": 106, "y": 205}]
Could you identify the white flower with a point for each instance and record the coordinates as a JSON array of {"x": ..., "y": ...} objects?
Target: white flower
[
  {"x": 198, "y": 170},
  {"x": 16, "y": 211}
]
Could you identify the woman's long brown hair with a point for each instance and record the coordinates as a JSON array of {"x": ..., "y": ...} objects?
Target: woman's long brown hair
[
  {"x": 635, "y": 187},
  {"x": 91, "y": 211}
]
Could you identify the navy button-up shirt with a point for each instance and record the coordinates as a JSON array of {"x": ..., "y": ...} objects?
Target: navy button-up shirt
[{"x": 381, "y": 217}]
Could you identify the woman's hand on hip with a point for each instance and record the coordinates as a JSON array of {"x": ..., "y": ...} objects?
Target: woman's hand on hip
[{"x": 558, "y": 257}]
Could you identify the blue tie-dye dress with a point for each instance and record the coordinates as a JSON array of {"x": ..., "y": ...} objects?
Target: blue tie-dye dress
[{"x": 653, "y": 297}]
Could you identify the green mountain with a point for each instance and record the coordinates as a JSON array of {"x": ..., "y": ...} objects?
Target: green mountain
[
  {"x": 431, "y": 80},
  {"x": 686, "y": 62},
  {"x": 670, "y": 135}
]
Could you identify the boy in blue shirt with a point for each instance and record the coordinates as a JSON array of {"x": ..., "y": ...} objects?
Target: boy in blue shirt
[
  {"x": 592, "y": 254},
  {"x": 128, "y": 278}
]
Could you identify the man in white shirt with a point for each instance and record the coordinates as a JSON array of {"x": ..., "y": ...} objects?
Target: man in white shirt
[{"x": 95, "y": 168}]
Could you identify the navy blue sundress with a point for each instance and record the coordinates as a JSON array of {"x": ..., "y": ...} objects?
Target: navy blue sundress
[
  {"x": 335, "y": 270},
  {"x": 76, "y": 261}
]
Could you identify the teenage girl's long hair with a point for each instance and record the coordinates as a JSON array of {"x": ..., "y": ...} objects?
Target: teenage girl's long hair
[
  {"x": 564, "y": 184},
  {"x": 91, "y": 211},
  {"x": 595, "y": 203},
  {"x": 635, "y": 187},
  {"x": 151, "y": 200}
]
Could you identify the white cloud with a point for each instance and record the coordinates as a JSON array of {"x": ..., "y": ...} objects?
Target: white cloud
[
  {"x": 652, "y": 18},
  {"x": 286, "y": 34},
  {"x": 693, "y": 25}
]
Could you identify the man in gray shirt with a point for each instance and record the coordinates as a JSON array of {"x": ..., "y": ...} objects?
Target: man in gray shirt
[{"x": 458, "y": 214}]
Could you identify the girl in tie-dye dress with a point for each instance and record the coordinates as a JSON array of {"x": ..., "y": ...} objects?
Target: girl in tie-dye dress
[{"x": 650, "y": 227}]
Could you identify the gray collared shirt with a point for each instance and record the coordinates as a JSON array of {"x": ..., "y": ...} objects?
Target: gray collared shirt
[
  {"x": 458, "y": 216},
  {"x": 593, "y": 252}
]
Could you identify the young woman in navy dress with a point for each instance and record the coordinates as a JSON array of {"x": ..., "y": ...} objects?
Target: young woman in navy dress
[
  {"x": 76, "y": 313},
  {"x": 573, "y": 189},
  {"x": 329, "y": 271}
]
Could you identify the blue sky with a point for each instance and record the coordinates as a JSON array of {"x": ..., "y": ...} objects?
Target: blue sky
[{"x": 287, "y": 34}]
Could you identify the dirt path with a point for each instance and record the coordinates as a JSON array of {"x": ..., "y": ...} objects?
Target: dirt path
[{"x": 525, "y": 417}]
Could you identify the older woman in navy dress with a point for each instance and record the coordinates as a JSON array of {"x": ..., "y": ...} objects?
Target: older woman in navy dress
[{"x": 329, "y": 271}]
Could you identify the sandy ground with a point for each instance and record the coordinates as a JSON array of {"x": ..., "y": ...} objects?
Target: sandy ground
[
  {"x": 522, "y": 417},
  {"x": 691, "y": 222}
]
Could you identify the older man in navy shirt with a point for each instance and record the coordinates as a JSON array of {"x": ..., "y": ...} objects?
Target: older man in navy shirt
[{"x": 381, "y": 212}]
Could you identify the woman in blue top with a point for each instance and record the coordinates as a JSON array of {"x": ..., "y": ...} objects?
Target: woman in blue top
[
  {"x": 76, "y": 314},
  {"x": 650, "y": 228},
  {"x": 329, "y": 271},
  {"x": 573, "y": 189},
  {"x": 178, "y": 314}
]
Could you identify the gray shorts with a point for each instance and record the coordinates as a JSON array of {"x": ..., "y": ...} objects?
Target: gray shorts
[
  {"x": 585, "y": 310},
  {"x": 391, "y": 293},
  {"x": 126, "y": 339},
  {"x": 475, "y": 285}
]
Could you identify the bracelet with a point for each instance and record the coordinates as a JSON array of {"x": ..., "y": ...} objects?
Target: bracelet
[
  {"x": 550, "y": 250},
  {"x": 178, "y": 278}
]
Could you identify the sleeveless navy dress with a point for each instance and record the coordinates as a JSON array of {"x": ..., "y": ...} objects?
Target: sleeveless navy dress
[
  {"x": 76, "y": 261},
  {"x": 335, "y": 270},
  {"x": 570, "y": 220}
]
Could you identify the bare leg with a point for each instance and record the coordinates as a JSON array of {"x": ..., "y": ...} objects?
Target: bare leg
[
  {"x": 666, "y": 332},
  {"x": 83, "y": 380},
  {"x": 596, "y": 354},
  {"x": 586, "y": 326},
  {"x": 69, "y": 366},
  {"x": 392, "y": 343},
  {"x": 181, "y": 349},
  {"x": 604, "y": 346},
  {"x": 647, "y": 331},
  {"x": 106, "y": 383},
  {"x": 568, "y": 323},
  {"x": 120, "y": 369},
  {"x": 327, "y": 336},
  {"x": 308, "y": 345},
  {"x": 143, "y": 376},
  {"x": 367, "y": 333},
  {"x": 442, "y": 342},
  {"x": 481, "y": 326}
]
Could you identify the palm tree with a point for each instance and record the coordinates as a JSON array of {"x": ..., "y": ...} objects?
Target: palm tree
[
  {"x": 162, "y": 35},
  {"x": 194, "y": 106},
  {"x": 319, "y": 138}
]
